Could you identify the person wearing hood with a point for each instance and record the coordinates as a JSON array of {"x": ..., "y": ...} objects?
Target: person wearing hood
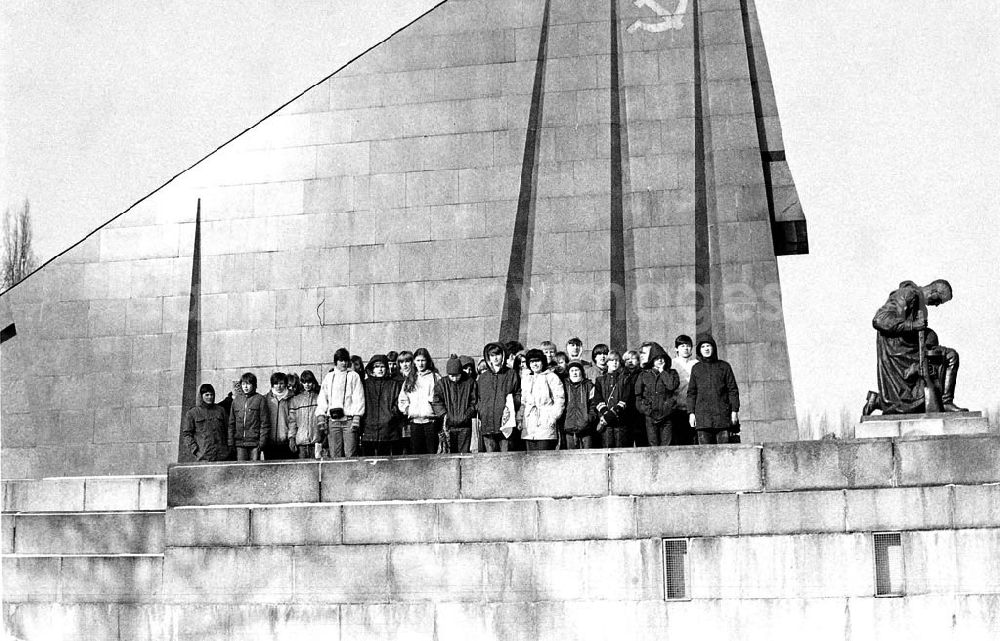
[
  {"x": 205, "y": 429},
  {"x": 713, "y": 398},
  {"x": 580, "y": 420},
  {"x": 305, "y": 429},
  {"x": 456, "y": 399},
  {"x": 380, "y": 426},
  {"x": 656, "y": 393},
  {"x": 499, "y": 391},
  {"x": 612, "y": 398},
  {"x": 543, "y": 399}
]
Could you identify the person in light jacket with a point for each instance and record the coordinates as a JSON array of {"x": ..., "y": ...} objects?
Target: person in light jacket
[
  {"x": 415, "y": 403},
  {"x": 305, "y": 429},
  {"x": 342, "y": 400},
  {"x": 543, "y": 400}
]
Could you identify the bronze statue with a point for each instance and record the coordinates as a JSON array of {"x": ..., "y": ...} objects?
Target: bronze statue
[{"x": 912, "y": 367}]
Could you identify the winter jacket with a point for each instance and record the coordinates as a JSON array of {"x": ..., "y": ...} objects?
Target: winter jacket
[
  {"x": 581, "y": 416},
  {"x": 278, "y": 410},
  {"x": 543, "y": 400},
  {"x": 343, "y": 390},
  {"x": 416, "y": 404},
  {"x": 712, "y": 393},
  {"x": 612, "y": 397},
  {"x": 249, "y": 421},
  {"x": 683, "y": 368},
  {"x": 303, "y": 424},
  {"x": 206, "y": 432},
  {"x": 382, "y": 416},
  {"x": 656, "y": 392},
  {"x": 458, "y": 400},
  {"x": 493, "y": 388}
]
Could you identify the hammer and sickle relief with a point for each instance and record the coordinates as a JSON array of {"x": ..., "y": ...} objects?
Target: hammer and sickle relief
[{"x": 667, "y": 19}]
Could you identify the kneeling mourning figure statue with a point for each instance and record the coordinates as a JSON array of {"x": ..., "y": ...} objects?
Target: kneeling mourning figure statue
[{"x": 915, "y": 373}]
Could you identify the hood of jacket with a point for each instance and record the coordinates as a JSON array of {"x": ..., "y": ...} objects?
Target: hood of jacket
[
  {"x": 707, "y": 338},
  {"x": 656, "y": 351},
  {"x": 486, "y": 356}
]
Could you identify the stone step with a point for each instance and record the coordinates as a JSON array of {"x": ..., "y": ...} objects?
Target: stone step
[
  {"x": 597, "y": 518},
  {"x": 85, "y": 494},
  {"x": 790, "y": 566},
  {"x": 83, "y": 533},
  {"x": 720, "y": 469},
  {"x": 125, "y": 578}
]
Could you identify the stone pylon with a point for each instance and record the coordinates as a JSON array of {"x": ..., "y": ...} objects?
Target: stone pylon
[{"x": 533, "y": 169}]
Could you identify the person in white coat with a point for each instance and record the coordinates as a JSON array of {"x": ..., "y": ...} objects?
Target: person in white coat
[
  {"x": 342, "y": 401},
  {"x": 543, "y": 400}
]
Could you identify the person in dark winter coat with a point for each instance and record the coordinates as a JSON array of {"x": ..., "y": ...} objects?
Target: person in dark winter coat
[
  {"x": 494, "y": 386},
  {"x": 612, "y": 397},
  {"x": 205, "y": 428},
  {"x": 249, "y": 420},
  {"x": 456, "y": 397},
  {"x": 279, "y": 446},
  {"x": 656, "y": 393},
  {"x": 713, "y": 397},
  {"x": 580, "y": 419},
  {"x": 380, "y": 426}
]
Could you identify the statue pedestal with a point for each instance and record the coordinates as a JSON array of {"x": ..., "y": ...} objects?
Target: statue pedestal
[{"x": 905, "y": 425}]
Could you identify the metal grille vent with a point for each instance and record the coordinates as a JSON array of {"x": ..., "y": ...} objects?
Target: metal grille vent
[
  {"x": 675, "y": 568},
  {"x": 888, "y": 564}
]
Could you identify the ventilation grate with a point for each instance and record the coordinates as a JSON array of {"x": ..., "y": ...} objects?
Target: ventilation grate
[
  {"x": 888, "y": 564},
  {"x": 675, "y": 569}
]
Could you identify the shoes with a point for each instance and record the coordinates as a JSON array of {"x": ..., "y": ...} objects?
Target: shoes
[{"x": 951, "y": 407}]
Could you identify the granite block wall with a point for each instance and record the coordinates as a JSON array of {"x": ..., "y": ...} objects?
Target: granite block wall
[{"x": 537, "y": 170}]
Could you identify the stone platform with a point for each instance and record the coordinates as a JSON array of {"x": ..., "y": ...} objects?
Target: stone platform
[
  {"x": 779, "y": 538},
  {"x": 912, "y": 425}
]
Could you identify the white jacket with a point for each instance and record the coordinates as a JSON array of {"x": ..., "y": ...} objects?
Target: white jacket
[
  {"x": 341, "y": 389},
  {"x": 543, "y": 400},
  {"x": 416, "y": 405}
]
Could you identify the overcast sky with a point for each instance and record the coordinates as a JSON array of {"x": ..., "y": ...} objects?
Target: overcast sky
[{"x": 890, "y": 112}]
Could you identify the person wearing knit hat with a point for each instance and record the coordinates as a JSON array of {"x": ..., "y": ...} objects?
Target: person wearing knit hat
[
  {"x": 205, "y": 430},
  {"x": 456, "y": 399},
  {"x": 381, "y": 433},
  {"x": 581, "y": 418}
]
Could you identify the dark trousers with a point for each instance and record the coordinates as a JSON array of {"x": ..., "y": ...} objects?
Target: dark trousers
[
  {"x": 619, "y": 437},
  {"x": 306, "y": 451},
  {"x": 246, "y": 453},
  {"x": 460, "y": 439},
  {"x": 424, "y": 438},
  {"x": 380, "y": 448},
  {"x": 500, "y": 443},
  {"x": 539, "y": 445},
  {"x": 713, "y": 437},
  {"x": 659, "y": 433},
  {"x": 579, "y": 442},
  {"x": 683, "y": 432},
  {"x": 278, "y": 451}
]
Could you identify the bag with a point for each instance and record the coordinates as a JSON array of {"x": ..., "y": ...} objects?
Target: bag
[
  {"x": 337, "y": 413},
  {"x": 509, "y": 421}
]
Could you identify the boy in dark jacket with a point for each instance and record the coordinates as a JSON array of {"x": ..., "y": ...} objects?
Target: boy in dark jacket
[
  {"x": 494, "y": 385},
  {"x": 580, "y": 419},
  {"x": 380, "y": 426},
  {"x": 456, "y": 396},
  {"x": 612, "y": 397},
  {"x": 205, "y": 428},
  {"x": 249, "y": 420},
  {"x": 713, "y": 398},
  {"x": 655, "y": 393}
]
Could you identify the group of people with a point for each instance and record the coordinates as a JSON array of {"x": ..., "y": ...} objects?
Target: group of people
[{"x": 511, "y": 399}]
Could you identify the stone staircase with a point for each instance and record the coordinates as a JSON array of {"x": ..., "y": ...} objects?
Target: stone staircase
[{"x": 563, "y": 545}]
